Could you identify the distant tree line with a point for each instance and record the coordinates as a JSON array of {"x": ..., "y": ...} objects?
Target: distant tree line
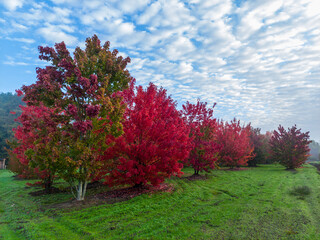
[
  {"x": 314, "y": 151},
  {"x": 9, "y": 102}
]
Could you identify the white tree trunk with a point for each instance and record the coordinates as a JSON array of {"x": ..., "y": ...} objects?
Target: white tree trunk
[{"x": 81, "y": 190}]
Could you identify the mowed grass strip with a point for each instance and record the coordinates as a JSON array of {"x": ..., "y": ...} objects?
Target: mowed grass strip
[{"x": 258, "y": 203}]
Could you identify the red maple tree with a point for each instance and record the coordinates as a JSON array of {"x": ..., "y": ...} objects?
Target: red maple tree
[
  {"x": 155, "y": 139},
  {"x": 236, "y": 147},
  {"x": 290, "y": 148},
  {"x": 33, "y": 148},
  {"x": 202, "y": 127}
]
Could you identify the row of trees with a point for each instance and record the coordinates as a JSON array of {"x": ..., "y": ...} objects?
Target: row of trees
[{"x": 85, "y": 120}]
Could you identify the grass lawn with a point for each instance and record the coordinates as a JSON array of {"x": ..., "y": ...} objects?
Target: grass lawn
[{"x": 267, "y": 202}]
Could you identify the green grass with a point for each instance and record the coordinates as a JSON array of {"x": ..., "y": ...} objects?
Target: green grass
[{"x": 259, "y": 203}]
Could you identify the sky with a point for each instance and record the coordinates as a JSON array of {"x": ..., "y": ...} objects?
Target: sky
[{"x": 259, "y": 60}]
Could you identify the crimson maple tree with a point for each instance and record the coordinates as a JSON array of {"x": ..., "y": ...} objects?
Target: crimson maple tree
[
  {"x": 202, "y": 125},
  {"x": 155, "y": 139},
  {"x": 236, "y": 147},
  {"x": 34, "y": 148},
  {"x": 290, "y": 148},
  {"x": 81, "y": 90}
]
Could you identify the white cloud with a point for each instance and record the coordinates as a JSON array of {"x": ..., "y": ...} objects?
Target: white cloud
[
  {"x": 65, "y": 1},
  {"x": 12, "y": 5},
  {"x": 53, "y": 34},
  {"x": 18, "y": 26},
  {"x": 282, "y": 16},
  {"x": 259, "y": 61},
  {"x": 99, "y": 15},
  {"x": 129, "y": 6},
  {"x": 212, "y": 10},
  {"x": 185, "y": 67},
  {"x": 93, "y": 4},
  {"x": 253, "y": 14},
  {"x": 178, "y": 48},
  {"x": 24, "y": 40},
  {"x": 14, "y": 63},
  {"x": 313, "y": 8},
  {"x": 152, "y": 11}
]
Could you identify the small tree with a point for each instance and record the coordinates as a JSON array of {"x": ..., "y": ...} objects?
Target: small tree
[
  {"x": 81, "y": 90},
  {"x": 34, "y": 147},
  {"x": 16, "y": 166},
  {"x": 236, "y": 147},
  {"x": 202, "y": 127},
  {"x": 155, "y": 139},
  {"x": 266, "y": 147},
  {"x": 290, "y": 148},
  {"x": 260, "y": 145}
]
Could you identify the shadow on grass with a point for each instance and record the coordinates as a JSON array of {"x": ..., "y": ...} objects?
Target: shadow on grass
[
  {"x": 301, "y": 192},
  {"x": 293, "y": 171},
  {"x": 196, "y": 177},
  {"x": 111, "y": 197}
]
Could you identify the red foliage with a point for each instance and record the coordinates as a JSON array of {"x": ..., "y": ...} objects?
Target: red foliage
[
  {"x": 82, "y": 89},
  {"x": 155, "y": 139},
  {"x": 202, "y": 127},
  {"x": 39, "y": 183},
  {"x": 38, "y": 127},
  {"x": 236, "y": 147},
  {"x": 15, "y": 166},
  {"x": 290, "y": 148},
  {"x": 19, "y": 93}
]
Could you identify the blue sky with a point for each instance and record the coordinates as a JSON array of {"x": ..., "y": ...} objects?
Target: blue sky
[{"x": 259, "y": 60}]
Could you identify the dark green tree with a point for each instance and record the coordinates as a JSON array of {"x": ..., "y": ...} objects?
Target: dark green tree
[{"x": 9, "y": 102}]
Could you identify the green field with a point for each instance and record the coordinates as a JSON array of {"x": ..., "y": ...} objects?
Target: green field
[{"x": 267, "y": 202}]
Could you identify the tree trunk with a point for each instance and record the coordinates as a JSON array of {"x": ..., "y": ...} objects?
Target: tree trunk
[
  {"x": 48, "y": 185},
  {"x": 138, "y": 185},
  {"x": 81, "y": 190}
]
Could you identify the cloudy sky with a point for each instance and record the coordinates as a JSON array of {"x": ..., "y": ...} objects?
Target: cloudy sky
[{"x": 259, "y": 60}]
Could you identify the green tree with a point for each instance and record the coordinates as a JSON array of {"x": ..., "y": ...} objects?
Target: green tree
[{"x": 8, "y": 103}]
